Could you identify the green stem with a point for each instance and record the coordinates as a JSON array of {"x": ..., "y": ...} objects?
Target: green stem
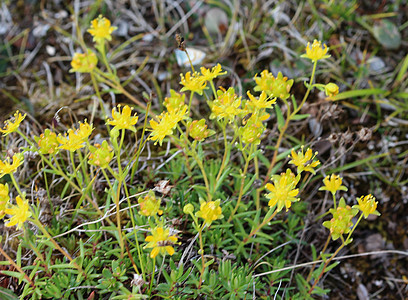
[
  {"x": 200, "y": 234},
  {"x": 141, "y": 144},
  {"x": 324, "y": 268},
  {"x": 321, "y": 253},
  {"x": 189, "y": 103},
  {"x": 98, "y": 94},
  {"x": 260, "y": 226},
  {"x": 334, "y": 200},
  {"x": 226, "y": 150},
  {"x": 101, "y": 48},
  {"x": 152, "y": 277},
  {"x": 118, "y": 87},
  {"x": 74, "y": 173},
  {"x": 13, "y": 179},
  {"x": 213, "y": 89},
  {"x": 132, "y": 218},
  {"x": 345, "y": 242},
  {"x": 243, "y": 176},
  {"x": 117, "y": 197},
  {"x": 191, "y": 63},
  {"x": 352, "y": 230},
  {"x": 201, "y": 166}
]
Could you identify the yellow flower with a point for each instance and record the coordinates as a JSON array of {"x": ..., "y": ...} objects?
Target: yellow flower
[
  {"x": 123, "y": 120},
  {"x": 226, "y": 105},
  {"x": 367, "y": 205},
  {"x": 84, "y": 62},
  {"x": 175, "y": 102},
  {"x": 194, "y": 83},
  {"x": 252, "y": 131},
  {"x": 278, "y": 86},
  {"x": 4, "y": 198},
  {"x": 12, "y": 124},
  {"x": 331, "y": 89},
  {"x": 84, "y": 131},
  {"x": 316, "y": 52},
  {"x": 209, "y": 75},
  {"x": 101, "y": 155},
  {"x": 163, "y": 128},
  {"x": 101, "y": 29},
  {"x": 198, "y": 130},
  {"x": 210, "y": 211},
  {"x": 283, "y": 190},
  {"x": 75, "y": 139},
  {"x": 47, "y": 142},
  {"x": 341, "y": 222},
  {"x": 19, "y": 213},
  {"x": 254, "y": 105},
  {"x": 8, "y": 168},
  {"x": 301, "y": 161},
  {"x": 333, "y": 184},
  {"x": 160, "y": 241},
  {"x": 71, "y": 142},
  {"x": 149, "y": 205}
]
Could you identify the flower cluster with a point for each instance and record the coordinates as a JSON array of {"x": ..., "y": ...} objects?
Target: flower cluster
[
  {"x": 175, "y": 103},
  {"x": 283, "y": 191},
  {"x": 226, "y": 105},
  {"x": 47, "y": 142},
  {"x": 341, "y": 222},
  {"x": 74, "y": 139},
  {"x": 84, "y": 62},
  {"x": 198, "y": 130},
  {"x": 278, "y": 86},
  {"x": 149, "y": 205},
  {"x": 253, "y": 127},
  {"x": 100, "y": 155}
]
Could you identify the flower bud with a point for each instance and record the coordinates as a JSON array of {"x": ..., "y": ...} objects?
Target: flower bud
[
  {"x": 188, "y": 209},
  {"x": 331, "y": 89},
  {"x": 198, "y": 130}
]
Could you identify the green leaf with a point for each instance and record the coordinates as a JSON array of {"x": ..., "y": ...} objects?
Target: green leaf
[
  {"x": 300, "y": 117},
  {"x": 403, "y": 71},
  {"x": 387, "y": 34},
  {"x": 358, "y": 93},
  {"x": 6, "y": 294},
  {"x": 279, "y": 116}
]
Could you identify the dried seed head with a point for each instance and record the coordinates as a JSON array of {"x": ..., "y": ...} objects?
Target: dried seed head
[
  {"x": 180, "y": 42},
  {"x": 365, "y": 134}
]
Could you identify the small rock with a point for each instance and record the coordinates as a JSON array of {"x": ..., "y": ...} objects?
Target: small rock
[
  {"x": 50, "y": 50},
  {"x": 362, "y": 292}
]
